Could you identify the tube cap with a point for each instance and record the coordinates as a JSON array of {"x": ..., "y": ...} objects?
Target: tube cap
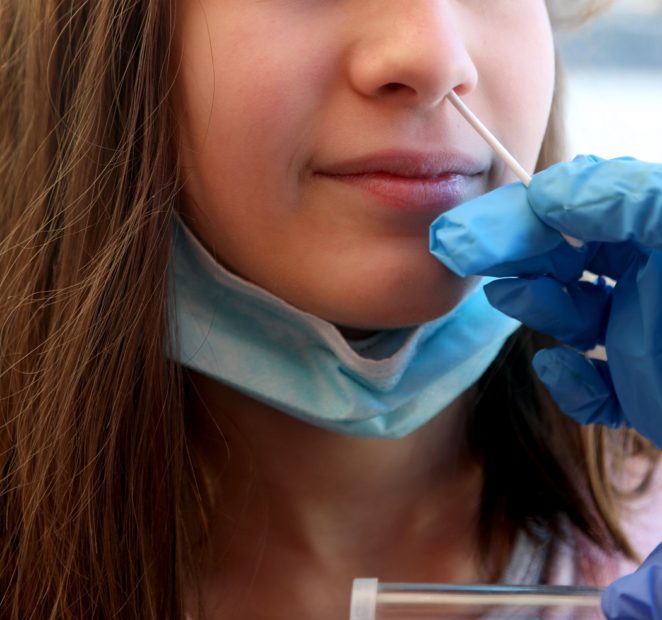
[{"x": 364, "y": 599}]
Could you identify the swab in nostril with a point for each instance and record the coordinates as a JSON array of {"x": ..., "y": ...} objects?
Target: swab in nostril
[{"x": 500, "y": 150}]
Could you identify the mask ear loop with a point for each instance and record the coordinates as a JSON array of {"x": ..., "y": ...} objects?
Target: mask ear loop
[{"x": 500, "y": 150}]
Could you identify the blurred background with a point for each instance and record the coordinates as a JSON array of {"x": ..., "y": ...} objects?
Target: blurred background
[{"x": 614, "y": 82}]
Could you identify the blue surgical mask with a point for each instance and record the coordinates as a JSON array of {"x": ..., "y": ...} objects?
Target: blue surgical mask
[{"x": 386, "y": 386}]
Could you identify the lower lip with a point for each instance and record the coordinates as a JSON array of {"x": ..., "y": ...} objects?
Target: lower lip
[{"x": 413, "y": 193}]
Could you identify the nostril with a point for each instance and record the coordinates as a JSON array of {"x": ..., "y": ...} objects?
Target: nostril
[
  {"x": 463, "y": 89},
  {"x": 392, "y": 87}
]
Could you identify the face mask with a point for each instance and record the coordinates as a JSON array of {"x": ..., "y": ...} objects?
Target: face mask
[{"x": 386, "y": 386}]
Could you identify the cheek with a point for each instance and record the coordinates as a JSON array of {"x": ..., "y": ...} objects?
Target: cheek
[
  {"x": 249, "y": 90},
  {"x": 520, "y": 81},
  {"x": 245, "y": 119}
]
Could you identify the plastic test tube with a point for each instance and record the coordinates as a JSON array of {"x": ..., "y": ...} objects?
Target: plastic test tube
[
  {"x": 372, "y": 600},
  {"x": 500, "y": 150}
]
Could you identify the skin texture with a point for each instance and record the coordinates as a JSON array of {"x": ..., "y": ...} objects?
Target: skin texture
[
  {"x": 273, "y": 92},
  {"x": 272, "y": 95}
]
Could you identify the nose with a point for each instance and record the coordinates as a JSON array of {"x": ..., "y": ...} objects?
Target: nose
[{"x": 415, "y": 51}]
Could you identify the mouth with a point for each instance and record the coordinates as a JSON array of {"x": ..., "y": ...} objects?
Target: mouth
[{"x": 411, "y": 180}]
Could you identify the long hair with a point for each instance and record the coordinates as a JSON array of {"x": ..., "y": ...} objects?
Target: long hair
[
  {"x": 95, "y": 472},
  {"x": 91, "y": 452}
]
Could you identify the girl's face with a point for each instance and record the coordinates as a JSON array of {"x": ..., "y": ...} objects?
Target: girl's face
[{"x": 317, "y": 144}]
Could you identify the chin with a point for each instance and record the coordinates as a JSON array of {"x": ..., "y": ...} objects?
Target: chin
[
  {"x": 393, "y": 286},
  {"x": 406, "y": 309}
]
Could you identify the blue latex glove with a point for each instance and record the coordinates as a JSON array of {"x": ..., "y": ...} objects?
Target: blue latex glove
[
  {"x": 512, "y": 233},
  {"x": 616, "y": 208},
  {"x": 637, "y": 596}
]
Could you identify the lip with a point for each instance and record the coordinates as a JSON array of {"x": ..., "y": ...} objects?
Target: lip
[{"x": 411, "y": 180}]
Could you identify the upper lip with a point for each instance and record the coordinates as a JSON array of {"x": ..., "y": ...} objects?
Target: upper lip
[{"x": 410, "y": 164}]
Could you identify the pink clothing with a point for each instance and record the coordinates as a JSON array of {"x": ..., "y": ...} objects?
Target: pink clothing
[{"x": 642, "y": 522}]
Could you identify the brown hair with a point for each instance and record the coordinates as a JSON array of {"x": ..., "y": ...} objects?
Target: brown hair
[
  {"x": 566, "y": 13},
  {"x": 93, "y": 452},
  {"x": 91, "y": 445}
]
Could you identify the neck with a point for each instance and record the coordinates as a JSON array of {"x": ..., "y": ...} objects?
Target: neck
[{"x": 336, "y": 502}]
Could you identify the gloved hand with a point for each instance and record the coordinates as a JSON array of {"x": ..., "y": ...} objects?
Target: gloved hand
[
  {"x": 637, "y": 596},
  {"x": 616, "y": 208},
  {"x": 512, "y": 233}
]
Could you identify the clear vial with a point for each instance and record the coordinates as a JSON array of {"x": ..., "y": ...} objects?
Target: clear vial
[{"x": 372, "y": 600}]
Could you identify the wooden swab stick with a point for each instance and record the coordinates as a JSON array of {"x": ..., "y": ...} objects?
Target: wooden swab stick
[{"x": 500, "y": 150}]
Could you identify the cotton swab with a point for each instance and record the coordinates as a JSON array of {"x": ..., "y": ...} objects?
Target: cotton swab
[
  {"x": 500, "y": 150},
  {"x": 599, "y": 352}
]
